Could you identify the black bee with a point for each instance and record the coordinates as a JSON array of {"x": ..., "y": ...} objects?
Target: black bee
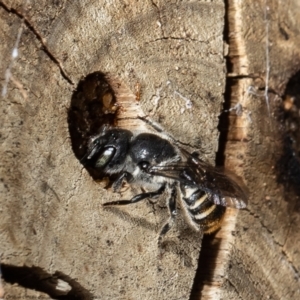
[{"x": 156, "y": 163}]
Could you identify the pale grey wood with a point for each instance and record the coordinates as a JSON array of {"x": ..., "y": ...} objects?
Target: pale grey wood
[{"x": 51, "y": 214}]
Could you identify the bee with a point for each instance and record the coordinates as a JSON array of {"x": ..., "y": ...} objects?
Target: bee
[{"x": 154, "y": 162}]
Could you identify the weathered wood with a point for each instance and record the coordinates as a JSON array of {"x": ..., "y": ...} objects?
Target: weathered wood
[
  {"x": 52, "y": 216},
  {"x": 263, "y": 54}
]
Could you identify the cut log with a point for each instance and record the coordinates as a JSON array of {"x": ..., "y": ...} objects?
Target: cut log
[{"x": 54, "y": 229}]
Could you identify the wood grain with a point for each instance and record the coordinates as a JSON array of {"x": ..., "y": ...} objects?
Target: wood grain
[
  {"x": 52, "y": 213},
  {"x": 52, "y": 219}
]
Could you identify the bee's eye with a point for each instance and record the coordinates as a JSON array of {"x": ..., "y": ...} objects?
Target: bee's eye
[
  {"x": 144, "y": 165},
  {"x": 105, "y": 157}
]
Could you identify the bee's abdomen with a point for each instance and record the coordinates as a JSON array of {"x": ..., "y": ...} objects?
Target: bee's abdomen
[{"x": 204, "y": 212}]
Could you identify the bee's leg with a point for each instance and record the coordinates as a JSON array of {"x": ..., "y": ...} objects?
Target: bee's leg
[
  {"x": 173, "y": 213},
  {"x": 116, "y": 186},
  {"x": 137, "y": 198}
]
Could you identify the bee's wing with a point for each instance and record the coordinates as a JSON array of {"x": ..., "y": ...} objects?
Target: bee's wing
[{"x": 225, "y": 188}]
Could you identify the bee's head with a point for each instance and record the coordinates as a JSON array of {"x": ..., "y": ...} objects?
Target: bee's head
[{"x": 108, "y": 149}]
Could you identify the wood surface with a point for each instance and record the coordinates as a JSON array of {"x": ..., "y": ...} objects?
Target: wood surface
[
  {"x": 54, "y": 230},
  {"x": 263, "y": 58}
]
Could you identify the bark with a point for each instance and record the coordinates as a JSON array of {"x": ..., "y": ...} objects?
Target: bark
[{"x": 54, "y": 230}]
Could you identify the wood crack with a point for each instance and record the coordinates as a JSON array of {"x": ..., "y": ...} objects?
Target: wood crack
[
  {"x": 178, "y": 39},
  {"x": 159, "y": 17},
  {"x": 39, "y": 37}
]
